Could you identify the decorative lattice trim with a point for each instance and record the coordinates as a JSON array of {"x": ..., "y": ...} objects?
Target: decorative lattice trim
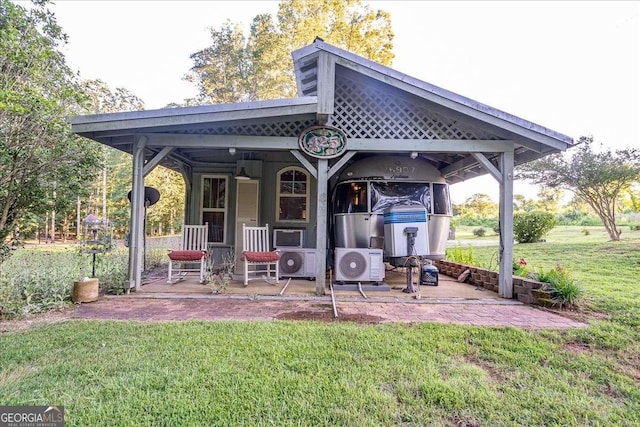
[{"x": 362, "y": 112}]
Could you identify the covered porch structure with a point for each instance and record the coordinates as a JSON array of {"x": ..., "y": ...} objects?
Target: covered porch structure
[{"x": 379, "y": 110}]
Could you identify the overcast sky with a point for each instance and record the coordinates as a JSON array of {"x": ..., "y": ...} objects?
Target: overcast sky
[{"x": 570, "y": 66}]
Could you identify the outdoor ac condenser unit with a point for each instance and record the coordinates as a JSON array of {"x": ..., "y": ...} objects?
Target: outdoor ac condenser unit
[
  {"x": 297, "y": 262},
  {"x": 359, "y": 265}
]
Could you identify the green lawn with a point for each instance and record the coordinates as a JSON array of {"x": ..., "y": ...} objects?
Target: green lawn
[
  {"x": 315, "y": 374},
  {"x": 560, "y": 234}
]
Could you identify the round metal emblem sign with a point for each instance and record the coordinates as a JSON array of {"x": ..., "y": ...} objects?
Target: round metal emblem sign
[{"x": 323, "y": 142}]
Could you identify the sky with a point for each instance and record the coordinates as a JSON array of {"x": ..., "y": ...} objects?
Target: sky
[{"x": 571, "y": 66}]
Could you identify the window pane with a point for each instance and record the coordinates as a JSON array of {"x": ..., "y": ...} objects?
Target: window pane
[
  {"x": 293, "y": 208},
  {"x": 206, "y": 193},
  {"x": 387, "y": 194},
  {"x": 441, "y": 203},
  {"x": 214, "y": 191},
  {"x": 300, "y": 188},
  {"x": 216, "y": 225},
  {"x": 287, "y": 176},
  {"x": 293, "y": 195},
  {"x": 220, "y": 194},
  {"x": 351, "y": 198},
  {"x": 286, "y": 188}
]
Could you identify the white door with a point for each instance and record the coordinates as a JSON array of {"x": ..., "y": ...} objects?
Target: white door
[{"x": 246, "y": 213}]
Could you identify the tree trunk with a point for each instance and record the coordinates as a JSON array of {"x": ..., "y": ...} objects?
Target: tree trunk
[
  {"x": 78, "y": 223},
  {"x": 606, "y": 215},
  {"x": 53, "y": 226},
  {"x": 104, "y": 193}
]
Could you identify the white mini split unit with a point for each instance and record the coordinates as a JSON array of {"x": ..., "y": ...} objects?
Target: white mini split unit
[
  {"x": 297, "y": 262},
  {"x": 359, "y": 265}
]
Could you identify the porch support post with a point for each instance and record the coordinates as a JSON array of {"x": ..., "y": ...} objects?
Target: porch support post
[
  {"x": 321, "y": 227},
  {"x": 136, "y": 237},
  {"x": 326, "y": 87},
  {"x": 505, "y": 284}
]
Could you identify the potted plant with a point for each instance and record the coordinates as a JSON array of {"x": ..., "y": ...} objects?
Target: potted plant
[{"x": 96, "y": 239}]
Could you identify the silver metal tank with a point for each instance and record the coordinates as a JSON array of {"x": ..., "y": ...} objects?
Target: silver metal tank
[{"x": 368, "y": 187}]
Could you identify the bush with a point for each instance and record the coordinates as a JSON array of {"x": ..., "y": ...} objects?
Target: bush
[
  {"x": 112, "y": 269},
  {"x": 565, "y": 291},
  {"x": 461, "y": 255},
  {"x": 36, "y": 280},
  {"x": 459, "y": 220},
  {"x": 33, "y": 281},
  {"x": 529, "y": 227},
  {"x": 479, "y": 232}
]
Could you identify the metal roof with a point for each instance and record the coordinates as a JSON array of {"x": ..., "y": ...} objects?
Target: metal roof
[{"x": 380, "y": 110}]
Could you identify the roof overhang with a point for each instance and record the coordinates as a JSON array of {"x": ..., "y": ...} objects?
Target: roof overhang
[{"x": 199, "y": 135}]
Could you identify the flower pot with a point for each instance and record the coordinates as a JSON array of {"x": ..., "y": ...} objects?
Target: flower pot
[{"x": 85, "y": 290}]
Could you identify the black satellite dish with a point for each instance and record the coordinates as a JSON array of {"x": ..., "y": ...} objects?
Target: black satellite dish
[{"x": 151, "y": 196}]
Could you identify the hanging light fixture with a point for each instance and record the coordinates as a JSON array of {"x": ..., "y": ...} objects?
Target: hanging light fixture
[{"x": 242, "y": 175}]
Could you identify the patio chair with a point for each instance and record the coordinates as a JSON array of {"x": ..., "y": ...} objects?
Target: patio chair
[
  {"x": 256, "y": 254},
  {"x": 192, "y": 257}
]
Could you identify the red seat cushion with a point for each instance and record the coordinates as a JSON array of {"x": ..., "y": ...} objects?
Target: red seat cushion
[
  {"x": 261, "y": 256},
  {"x": 187, "y": 255}
]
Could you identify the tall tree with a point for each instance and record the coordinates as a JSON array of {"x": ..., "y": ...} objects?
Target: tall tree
[
  {"x": 548, "y": 199},
  {"x": 596, "y": 177},
  {"x": 169, "y": 212},
  {"x": 39, "y": 156},
  {"x": 631, "y": 200},
  {"x": 101, "y": 99},
  {"x": 479, "y": 205},
  {"x": 237, "y": 68}
]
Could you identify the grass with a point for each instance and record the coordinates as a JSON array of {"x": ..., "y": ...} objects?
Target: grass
[
  {"x": 282, "y": 373},
  {"x": 609, "y": 271},
  {"x": 560, "y": 234},
  {"x": 306, "y": 373}
]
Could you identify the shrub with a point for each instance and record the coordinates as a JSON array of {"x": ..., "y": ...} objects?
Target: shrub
[
  {"x": 529, "y": 227},
  {"x": 113, "y": 269},
  {"x": 520, "y": 267},
  {"x": 565, "y": 291},
  {"x": 463, "y": 255},
  {"x": 586, "y": 231},
  {"x": 6, "y": 249},
  {"x": 634, "y": 227},
  {"x": 464, "y": 220},
  {"x": 479, "y": 232},
  {"x": 35, "y": 280}
]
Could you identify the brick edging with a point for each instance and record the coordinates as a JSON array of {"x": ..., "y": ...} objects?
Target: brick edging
[{"x": 525, "y": 290}]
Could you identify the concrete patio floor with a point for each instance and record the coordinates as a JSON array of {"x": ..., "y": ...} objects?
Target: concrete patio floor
[{"x": 301, "y": 287}]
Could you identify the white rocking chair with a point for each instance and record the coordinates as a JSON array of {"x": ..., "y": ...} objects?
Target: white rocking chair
[
  {"x": 256, "y": 252},
  {"x": 192, "y": 258}
]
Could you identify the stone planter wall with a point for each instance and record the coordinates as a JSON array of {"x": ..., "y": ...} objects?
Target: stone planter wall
[{"x": 525, "y": 290}]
